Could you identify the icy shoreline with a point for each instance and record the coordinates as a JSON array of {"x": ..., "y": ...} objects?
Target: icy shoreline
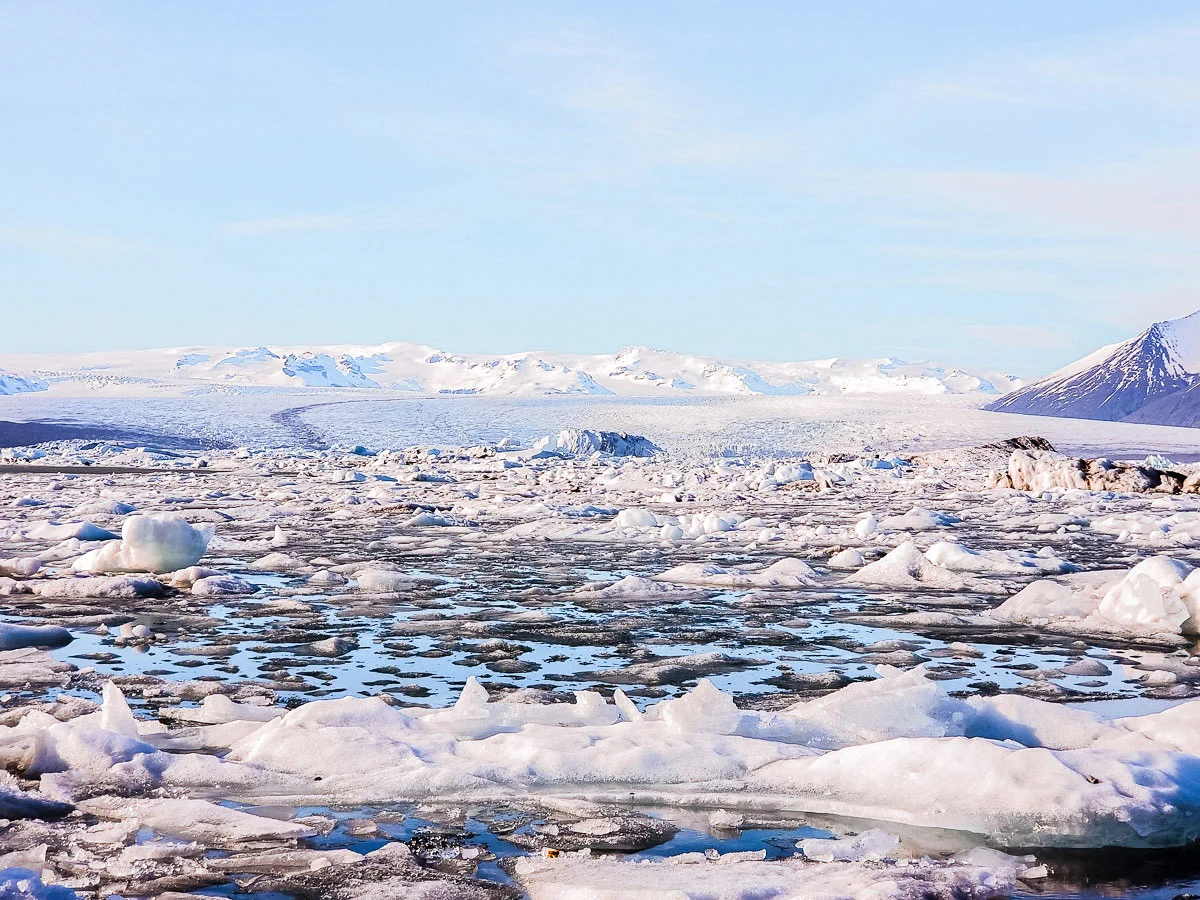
[{"x": 832, "y": 640}]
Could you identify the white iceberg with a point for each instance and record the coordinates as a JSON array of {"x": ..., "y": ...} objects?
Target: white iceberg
[{"x": 160, "y": 543}]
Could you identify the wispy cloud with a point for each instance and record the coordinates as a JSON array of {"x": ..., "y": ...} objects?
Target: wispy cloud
[
  {"x": 1152, "y": 198},
  {"x": 613, "y": 88},
  {"x": 1155, "y": 65},
  {"x": 1018, "y": 336},
  {"x": 54, "y": 240},
  {"x": 316, "y": 222}
]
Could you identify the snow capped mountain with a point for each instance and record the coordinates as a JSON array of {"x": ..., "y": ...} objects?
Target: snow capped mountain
[
  {"x": 1147, "y": 379},
  {"x": 634, "y": 371}
]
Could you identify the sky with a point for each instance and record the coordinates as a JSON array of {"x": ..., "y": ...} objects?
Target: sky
[{"x": 1006, "y": 185}]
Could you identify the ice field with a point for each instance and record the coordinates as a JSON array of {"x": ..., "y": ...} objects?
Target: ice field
[{"x": 285, "y": 646}]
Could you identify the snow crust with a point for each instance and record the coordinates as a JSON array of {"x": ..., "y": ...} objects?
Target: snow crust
[
  {"x": 742, "y": 876},
  {"x": 898, "y": 749}
]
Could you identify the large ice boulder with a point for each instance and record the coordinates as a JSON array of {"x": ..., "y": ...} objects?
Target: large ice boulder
[
  {"x": 1040, "y": 470},
  {"x": 1159, "y": 595},
  {"x": 162, "y": 542},
  {"x": 576, "y": 442}
]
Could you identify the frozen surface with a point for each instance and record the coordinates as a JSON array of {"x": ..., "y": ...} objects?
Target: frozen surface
[
  {"x": 365, "y": 668},
  {"x": 704, "y": 425}
]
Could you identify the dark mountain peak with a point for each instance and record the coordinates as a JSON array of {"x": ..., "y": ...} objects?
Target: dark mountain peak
[{"x": 1122, "y": 383}]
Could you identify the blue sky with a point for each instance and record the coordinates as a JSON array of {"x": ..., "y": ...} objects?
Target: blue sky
[{"x": 1006, "y": 185}]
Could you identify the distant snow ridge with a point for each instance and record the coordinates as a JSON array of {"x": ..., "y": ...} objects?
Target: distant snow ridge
[
  {"x": 634, "y": 371},
  {"x": 17, "y": 384},
  {"x": 1153, "y": 378}
]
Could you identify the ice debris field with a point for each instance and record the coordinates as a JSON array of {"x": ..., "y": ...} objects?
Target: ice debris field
[{"x": 581, "y": 667}]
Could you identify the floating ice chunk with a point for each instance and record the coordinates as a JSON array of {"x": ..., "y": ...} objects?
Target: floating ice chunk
[
  {"x": 847, "y": 559},
  {"x": 82, "y": 747},
  {"x": 919, "y": 519},
  {"x": 24, "y": 566},
  {"x": 474, "y": 697},
  {"x": 959, "y": 558},
  {"x": 1023, "y": 867},
  {"x": 185, "y": 578},
  {"x": 898, "y": 704},
  {"x": 384, "y": 581},
  {"x": 575, "y": 442},
  {"x": 722, "y": 819},
  {"x": 24, "y": 884},
  {"x": 327, "y": 578},
  {"x": 332, "y": 647},
  {"x": 787, "y": 474},
  {"x": 1034, "y": 723},
  {"x": 1018, "y": 796},
  {"x": 13, "y": 637},
  {"x": 866, "y": 526},
  {"x": 1177, "y": 727},
  {"x": 634, "y": 587},
  {"x": 276, "y": 562},
  {"x": 784, "y": 573},
  {"x": 218, "y": 709},
  {"x": 872, "y": 844},
  {"x": 130, "y": 631},
  {"x": 116, "y": 587},
  {"x": 1159, "y": 595},
  {"x": 196, "y": 820},
  {"x": 222, "y": 586},
  {"x": 704, "y": 708},
  {"x": 907, "y": 567},
  {"x": 115, "y": 714},
  {"x": 1151, "y": 594},
  {"x": 104, "y": 508},
  {"x": 628, "y": 709},
  {"x": 427, "y": 519},
  {"x": 673, "y": 669},
  {"x": 747, "y": 876},
  {"x": 80, "y": 531},
  {"x": 163, "y": 542},
  {"x": 636, "y": 518}
]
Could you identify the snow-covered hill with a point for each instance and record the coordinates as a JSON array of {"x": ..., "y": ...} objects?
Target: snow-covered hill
[
  {"x": 1148, "y": 379},
  {"x": 634, "y": 371}
]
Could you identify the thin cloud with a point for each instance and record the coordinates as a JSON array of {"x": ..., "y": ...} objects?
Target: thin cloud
[
  {"x": 318, "y": 222},
  {"x": 1018, "y": 336},
  {"x": 53, "y": 240},
  {"x": 1152, "y": 198},
  {"x": 610, "y": 87}
]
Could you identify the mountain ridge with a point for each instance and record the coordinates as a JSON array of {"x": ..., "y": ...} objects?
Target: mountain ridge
[
  {"x": 418, "y": 368},
  {"x": 1151, "y": 378}
]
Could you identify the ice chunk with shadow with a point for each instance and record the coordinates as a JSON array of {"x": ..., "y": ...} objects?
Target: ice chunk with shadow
[{"x": 162, "y": 542}]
